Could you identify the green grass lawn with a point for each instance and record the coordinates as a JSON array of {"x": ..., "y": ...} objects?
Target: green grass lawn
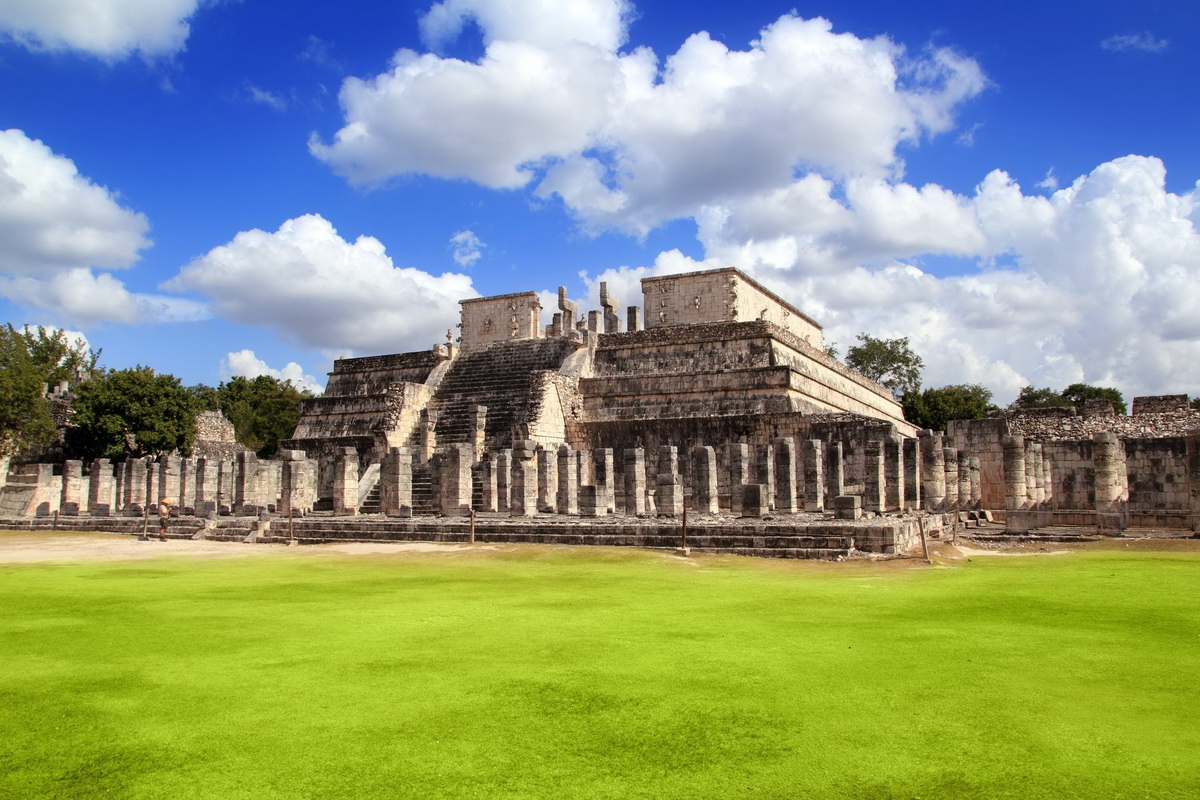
[{"x": 574, "y": 672}]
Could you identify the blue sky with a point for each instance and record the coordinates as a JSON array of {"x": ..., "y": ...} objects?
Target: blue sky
[{"x": 218, "y": 188}]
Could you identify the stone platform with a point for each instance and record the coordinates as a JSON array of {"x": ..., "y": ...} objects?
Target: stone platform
[{"x": 810, "y": 536}]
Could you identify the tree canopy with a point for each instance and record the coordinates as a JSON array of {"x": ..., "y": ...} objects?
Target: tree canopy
[
  {"x": 130, "y": 413},
  {"x": 1074, "y": 396},
  {"x": 890, "y": 362},
  {"x": 263, "y": 410},
  {"x": 933, "y": 408},
  {"x": 57, "y": 355},
  {"x": 25, "y": 421}
]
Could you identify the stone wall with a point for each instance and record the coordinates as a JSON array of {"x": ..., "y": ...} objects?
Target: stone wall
[
  {"x": 215, "y": 437},
  {"x": 1154, "y": 419},
  {"x": 500, "y": 318},
  {"x": 721, "y": 295}
]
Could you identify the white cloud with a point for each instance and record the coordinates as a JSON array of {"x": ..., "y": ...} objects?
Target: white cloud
[
  {"x": 1144, "y": 42},
  {"x": 309, "y": 283},
  {"x": 247, "y": 364},
  {"x": 265, "y": 97},
  {"x": 1102, "y": 280},
  {"x": 108, "y": 29},
  {"x": 466, "y": 248},
  {"x": 58, "y": 228},
  {"x": 627, "y": 144}
]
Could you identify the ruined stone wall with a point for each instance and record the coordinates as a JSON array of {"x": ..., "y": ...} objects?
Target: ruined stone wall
[
  {"x": 1149, "y": 420},
  {"x": 501, "y": 318},
  {"x": 373, "y": 375},
  {"x": 1158, "y": 479},
  {"x": 555, "y": 401},
  {"x": 215, "y": 437},
  {"x": 1073, "y": 473},
  {"x": 721, "y": 295}
]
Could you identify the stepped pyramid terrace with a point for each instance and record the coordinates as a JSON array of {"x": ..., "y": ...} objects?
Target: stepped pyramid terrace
[{"x": 709, "y": 416}]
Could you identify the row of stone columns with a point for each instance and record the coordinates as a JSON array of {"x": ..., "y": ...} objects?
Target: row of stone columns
[
  {"x": 193, "y": 485},
  {"x": 950, "y": 479}
]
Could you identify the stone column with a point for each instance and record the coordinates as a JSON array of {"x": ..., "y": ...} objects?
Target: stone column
[
  {"x": 395, "y": 482},
  {"x": 874, "y": 478},
  {"x": 602, "y": 461},
  {"x": 612, "y": 320},
  {"x": 477, "y": 425},
  {"x": 298, "y": 492},
  {"x": 950, "y": 460},
  {"x": 835, "y": 472},
  {"x": 119, "y": 481},
  {"x": 503, "y": 470},
  {"x": 595, "y": 322},
  {"x": 547, "y": 475},
  {"x": 74, "y": 495},
  {"x": 668, "y": 497},
  {"x": 135, "y": 486},
  {"x": 964, "y": 481},
  {"x": 246, "y": 493},
  {"x": 1106, "y": 455},
  {"x": 704, "y": 480},
  {"x": 1033, "y": 473},
  {"x": 454, "y": 479},
  {"x": 893, "y": 473},
  {"x": 593, "y": 501},
  {"x": 633, "y": 318},
  {"x": 345, "y": 482},
  {"x": 766, "y": 471},
  {"x": 635, "y": 481},
  {"x": 206, "y": 487},
  {"x": 1193, "y": 476},
  {"x": 1048, "y": 482},
  {"x": 976, "y": 487},
  {"x": 152, "y": 493},
  {"x": 225, "y": 470},
  {"x": 100, "y": 489},
  {"x": 556, "y": 324},
  {"x": 754, "y": 500},
  {"x": 524, "y": 479},
  {"x": 933, "y": 471},
  {"x": 169, "y": 480},
  {"x": 912, "y": 474},
  {"x": 487, "y": 480},
  {"x": 1015, "y": 490},
  {"x": 568, "y": 481},
  {"x": 785, "y": 475},
  {"x": 740, "y": 468},
  {"x": 813, "y": 451},
  {"x": 187, "y": 485}
]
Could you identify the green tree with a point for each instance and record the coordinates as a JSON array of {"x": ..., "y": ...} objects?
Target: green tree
[
  {"x": 933, "y": 408},
  {"x": 263, "y": 410},
  {"x": 890, "y": 362},
  {"x": 25, "y": 421},
  {"x": 130, "y": 413},
  {"x": 1079, "y": 393},
  {"x": 59, "y": 357},
  {"x": 1031, "y": 397}
]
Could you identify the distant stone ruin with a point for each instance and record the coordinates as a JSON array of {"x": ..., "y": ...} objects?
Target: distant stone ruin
[{"x": 714, "y": 398}]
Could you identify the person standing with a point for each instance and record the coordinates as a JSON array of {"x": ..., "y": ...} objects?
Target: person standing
[{"x": 164, "y": 513}]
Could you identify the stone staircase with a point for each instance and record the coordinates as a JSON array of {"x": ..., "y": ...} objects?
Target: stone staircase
[
  {"x": 371, "y": 503},
  {"x": 499, "y": 377}
]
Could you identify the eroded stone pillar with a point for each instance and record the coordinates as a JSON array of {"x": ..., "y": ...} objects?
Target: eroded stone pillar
[
  {"x": 100, "y": 489},
  {"x": 635, "y": 481},
  {"x": 1106, "y": 449},
  {"x": 785, "y": 475},
  {"x": 950, "y": 460},
  {"x": 754, "y": 500},
  {"x": 633, "y": 317},
  {"x": 395, "y": 482},
  {"x": 1016, "y": 493},
  {"x": 568, "y": 481},
  {"x": 668, "y": 497},
  {"x": 835, "y": 472},
  {"x": 740, "y": 469},
  {"x": 225, "y": 470},
  {"x": 169, "y": 477},
  {"x": 503, "y": 469},
  {"x": 119, "y": 482},
  {"x": 704, "y": 480},
  {"x": 454, "y": 479},
  {"x": 477, "y": 427},
  {"x": 976, "y": 487},
  {"x": 298, "y": 489},
  {"x": 487, "y": 481},
  {"x": 933, "y": 471},
  {"x": 523, "y": 502},
  {"x": 246, "y": 485},
  {"x": 547, "y": 477},
  {"x": 1033, "y": 473},
  {"x": 893, "y": 473},
  {"x": 345, "y": 481},
  {"x": 912, "y": 474},
  {"x": 766, "y": 471},
  {"x": 603, "y": 470},
  {"x": 135, "y": 486},
  {"x": 874, "y": 478},
  {"x": 428, "y": 435},
  {"x": 206, "y": 487},
  {"x": 74, "y": 495},
  {"x": 593, "y": 501},
  {"x": 964, "y": 481},
  {"x": 152, "y": 493},
  {"x": 813, "y": 451},
  {"x": 187, "y": 485}
]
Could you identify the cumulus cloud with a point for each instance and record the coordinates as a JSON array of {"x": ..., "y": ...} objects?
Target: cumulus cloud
[
  {"x": 627, "y": 143},
  {"x": 1144, "y": 42},
  {"x": 322, "y": 291},
  {"x": 1096, "y": 282},
  {"x": 108, "y": 29},
  {"x": 248, "y": 365},
  {"x": 58, "y": 228},
  {"x": 466, "y": 248}
]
